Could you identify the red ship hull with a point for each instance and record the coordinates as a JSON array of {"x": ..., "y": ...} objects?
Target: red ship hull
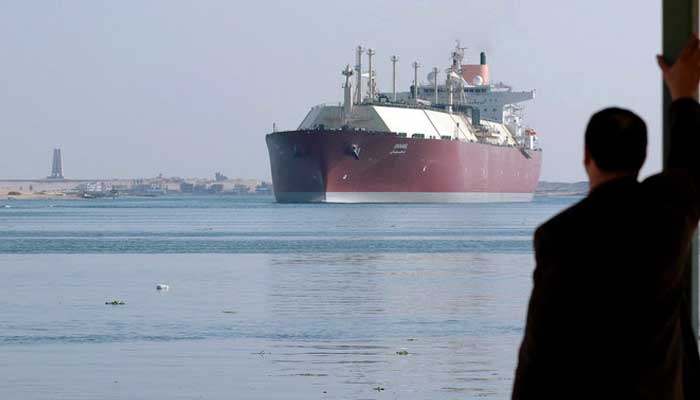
[{"x": 355, "y": 166}]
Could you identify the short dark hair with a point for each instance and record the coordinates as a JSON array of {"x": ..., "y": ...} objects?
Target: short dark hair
[{"x": 616, "y": 140}]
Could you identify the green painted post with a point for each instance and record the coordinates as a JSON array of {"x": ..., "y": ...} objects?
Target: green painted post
[{"x": 679, "y": 20}]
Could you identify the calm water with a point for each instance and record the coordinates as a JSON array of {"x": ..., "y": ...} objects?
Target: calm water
[{"x": 267, "y": 301}]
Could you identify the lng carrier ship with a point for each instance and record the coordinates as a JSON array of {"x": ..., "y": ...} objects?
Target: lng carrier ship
[{"x": 456, "y": 138}]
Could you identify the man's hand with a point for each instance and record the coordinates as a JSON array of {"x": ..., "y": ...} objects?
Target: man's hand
[{"x": 683, "y": 76}]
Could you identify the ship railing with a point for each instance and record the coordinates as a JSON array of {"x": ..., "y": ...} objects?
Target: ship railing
[
  {"x": 326, "y": 104},
  {"x": 487, "y": 140}
]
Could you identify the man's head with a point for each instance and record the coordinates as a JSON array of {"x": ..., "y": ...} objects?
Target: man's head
[{"x": 616, "y": 145}]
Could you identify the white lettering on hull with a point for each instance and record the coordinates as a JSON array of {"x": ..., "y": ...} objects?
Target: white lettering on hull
[{"x": 399, "y": 148}]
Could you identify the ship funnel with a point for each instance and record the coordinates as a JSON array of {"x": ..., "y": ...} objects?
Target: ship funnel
[{"x": 483, "y": 58}]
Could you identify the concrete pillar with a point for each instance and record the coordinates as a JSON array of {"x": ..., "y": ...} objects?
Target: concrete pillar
[{"x": 680, "y": 19}]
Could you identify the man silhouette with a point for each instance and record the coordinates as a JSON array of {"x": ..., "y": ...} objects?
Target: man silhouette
[{"x": 608, "y": 316}]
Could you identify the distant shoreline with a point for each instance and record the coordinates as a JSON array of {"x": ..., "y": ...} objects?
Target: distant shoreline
[
  {"x": 47, "y": 190},
  {"x": 138, "y": 187}
]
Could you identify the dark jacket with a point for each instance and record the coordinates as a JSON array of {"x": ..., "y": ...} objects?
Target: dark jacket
[{"x": 609, "y": 317}]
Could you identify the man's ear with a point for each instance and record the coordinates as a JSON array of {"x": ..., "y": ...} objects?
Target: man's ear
[{"x": 586, "y": 156}]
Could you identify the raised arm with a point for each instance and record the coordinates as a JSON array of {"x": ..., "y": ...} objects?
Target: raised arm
[{"x": 682, "y": 80}]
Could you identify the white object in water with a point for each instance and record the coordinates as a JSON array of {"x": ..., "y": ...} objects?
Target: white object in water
[{"x": 162, "y": 286}]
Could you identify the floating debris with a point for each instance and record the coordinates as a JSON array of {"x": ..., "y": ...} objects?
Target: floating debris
[
  {"x": 228, "y": 312},
  {"x": 115, "y": 303},
  {"x": 410, "y": 340},
  {"x": 402, "y": 352},
  {"x": 162, "y": 286},
  {"x": 378, "y": 388}
]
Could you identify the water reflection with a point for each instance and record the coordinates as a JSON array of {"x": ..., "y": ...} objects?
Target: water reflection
[{"x": 421, "y": 324}]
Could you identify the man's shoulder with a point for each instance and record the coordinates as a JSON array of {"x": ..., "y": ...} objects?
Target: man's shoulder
[
  {"x": 672, "y": 188},
  {"x": 671, "y": 180},
  {"x": 563, "y": 222}
]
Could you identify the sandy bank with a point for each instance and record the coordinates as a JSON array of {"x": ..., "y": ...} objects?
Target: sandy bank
[{"x": 34, "y": 196}]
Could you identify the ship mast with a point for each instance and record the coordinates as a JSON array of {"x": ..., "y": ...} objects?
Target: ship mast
[
  {"x": 449, "y": 95},
  {"x": 394, "y": 60},
  {"x": 347, "y": 105},
  {"x": 456, "y": 69},
  {"x": 415, "y": 80},
  {"x": 458, "y": 57},
  {"x": 435, "y": 84},
  {"x": 370, "y": 53},
  {"x": 358, "y": 71}
]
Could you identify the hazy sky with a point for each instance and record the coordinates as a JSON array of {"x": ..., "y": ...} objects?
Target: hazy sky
[{"x": 187, "y": 88}]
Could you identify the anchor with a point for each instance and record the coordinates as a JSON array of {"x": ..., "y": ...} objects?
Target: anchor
[{"x": 355, "y": 151}]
